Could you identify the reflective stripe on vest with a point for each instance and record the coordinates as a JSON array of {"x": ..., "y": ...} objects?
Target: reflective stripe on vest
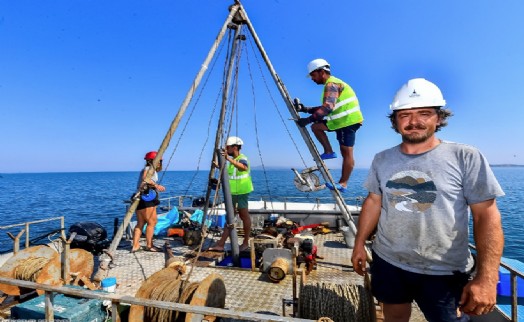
[
  {"x": 239, "y": 181},
  {"x": 346, "y": 111}
]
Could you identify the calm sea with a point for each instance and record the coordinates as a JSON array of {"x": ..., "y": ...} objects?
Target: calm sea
[{"x": 99, "y": 197}]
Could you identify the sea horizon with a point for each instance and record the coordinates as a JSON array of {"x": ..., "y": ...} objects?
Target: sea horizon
[{"x": 99, "y": 196}]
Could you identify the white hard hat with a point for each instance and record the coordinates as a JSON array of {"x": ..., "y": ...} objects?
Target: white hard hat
[
  {"x": 317, "y": 64},
  {"x": 416, "y": 93},
  {"x": 234, "y": 140}
]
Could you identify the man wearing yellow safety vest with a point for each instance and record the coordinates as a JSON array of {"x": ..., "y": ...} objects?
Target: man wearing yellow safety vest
[
  {"x": 339, "y": 112},
  {"x": 241, "y": 185}
]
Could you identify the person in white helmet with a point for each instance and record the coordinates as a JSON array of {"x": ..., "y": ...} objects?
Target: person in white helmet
[
  {"x": 419, "y": 195},
  {"x": 339, "y": 113},
  {"x": 241, "y": 186}
]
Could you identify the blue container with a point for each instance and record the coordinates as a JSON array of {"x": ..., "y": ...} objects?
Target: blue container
[
  {"x": 109, "y": 284},
  {"x": 65, "y": 308},
  {"x": 245, "y": 262},
  {"x": 218, "y": 220},
  {"x": 504, "y": 285}
]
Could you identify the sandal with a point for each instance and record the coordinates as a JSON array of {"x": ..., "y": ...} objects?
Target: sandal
[
  {"x": 216, "y": 249},
  {"x": 139, "y": 249},
  {"x": 153, "y": 249}
]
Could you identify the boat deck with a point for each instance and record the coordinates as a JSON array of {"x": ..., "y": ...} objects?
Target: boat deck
[{"x": 248, "y": 291}]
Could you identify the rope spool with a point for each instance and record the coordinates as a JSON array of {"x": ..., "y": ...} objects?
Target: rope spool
[
  {"x": 167, "y": 285},
  {"x": 136, "y": 313},
  {"x": 42, "y": 264},
  {"x": 29, "y": 268},
  {"x": 168, "y": 291},
  {"x": 341, "y": 303}
]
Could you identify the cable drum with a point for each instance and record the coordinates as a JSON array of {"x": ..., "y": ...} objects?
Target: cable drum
[
  {"x": 341, "y": 303},
  {"x": 167, "y": 285},
  {"x": 168, "y": 291}
]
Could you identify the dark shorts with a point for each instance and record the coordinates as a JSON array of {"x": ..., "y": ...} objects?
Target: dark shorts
[
  {"x": 240, "y": 201},
  {"x": 147, "y": 204},
  {"x": 346, "y": 135},
  {"x": 436, "y": 295}
]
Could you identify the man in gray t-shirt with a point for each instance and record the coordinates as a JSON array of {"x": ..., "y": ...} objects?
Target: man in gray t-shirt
[{"x": 420, "y": 194}]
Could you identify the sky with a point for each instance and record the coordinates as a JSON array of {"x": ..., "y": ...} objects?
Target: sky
[{"x": 94, "y": 85}]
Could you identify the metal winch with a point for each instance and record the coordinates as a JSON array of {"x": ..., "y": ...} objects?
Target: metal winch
[{"x": 307, "y": 181}]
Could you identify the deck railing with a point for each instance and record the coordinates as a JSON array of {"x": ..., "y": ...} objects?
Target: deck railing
[
  {"x": 184, "y": 201},
  {"x": 130, "y": 300},
  {"x": 514, "y": 273},
  {"x": 26, "y": 230}
]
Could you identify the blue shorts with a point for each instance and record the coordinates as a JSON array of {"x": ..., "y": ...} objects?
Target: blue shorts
[
  {"x": 346, "y": 135},
  {"x": 240, "y": 201},
  {"x": 436, "y": 295}
]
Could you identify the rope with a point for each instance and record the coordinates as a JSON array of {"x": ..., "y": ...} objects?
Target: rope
[
  {"x": 276, "y": 107},
  {"x": 29, "y": 268},
  {"x": 341, "y": 303},
  {"x": 167, "y": 290},
  {"x": 256, "y": 126}
]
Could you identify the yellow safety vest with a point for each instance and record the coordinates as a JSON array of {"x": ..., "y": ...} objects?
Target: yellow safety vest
[
  {"x": 239, "y": 181},
  {"x": 347, "y": 110}
]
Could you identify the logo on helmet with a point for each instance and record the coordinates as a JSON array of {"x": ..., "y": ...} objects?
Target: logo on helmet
[{"x": 414, "y": 94}]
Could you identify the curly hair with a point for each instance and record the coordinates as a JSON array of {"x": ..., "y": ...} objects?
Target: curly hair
[{"x": 442, "y": 113}]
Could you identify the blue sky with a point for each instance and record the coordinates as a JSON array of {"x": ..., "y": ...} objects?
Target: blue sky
[{"x": 93, "y": 85}]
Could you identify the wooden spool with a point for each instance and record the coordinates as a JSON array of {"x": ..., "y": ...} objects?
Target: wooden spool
[
  {"x": 211, "y": 293},
  {"x": 278, "y": 269}
]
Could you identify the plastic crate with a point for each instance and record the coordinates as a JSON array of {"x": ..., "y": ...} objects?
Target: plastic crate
[
  {"x": 65, "y": 308},
  {"x": 217, "y": 220}
]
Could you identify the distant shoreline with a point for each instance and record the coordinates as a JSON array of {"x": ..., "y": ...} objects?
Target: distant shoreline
[{"x": 507, "y": 165}]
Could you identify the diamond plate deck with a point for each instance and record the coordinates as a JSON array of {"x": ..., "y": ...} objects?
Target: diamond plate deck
[{"x": 247, "y": 291}]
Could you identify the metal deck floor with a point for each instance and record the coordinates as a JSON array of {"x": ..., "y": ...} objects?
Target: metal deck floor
[{"x": 246, "y": 290}]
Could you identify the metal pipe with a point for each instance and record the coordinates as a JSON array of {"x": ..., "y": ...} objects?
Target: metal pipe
[
  {"x": 514, "y": 300},
  {"x": 281, "y": 211},
  {"x": 230, "y": 212},
  {"x": 27, "y": 235},
  {"x": 218, "y": 156},
  {"x": 49, "y": 314},
  {"x": 32, "y": 222}
]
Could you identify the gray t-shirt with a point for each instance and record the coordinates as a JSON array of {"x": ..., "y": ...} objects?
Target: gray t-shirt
[{"x": 423, "y": 225}]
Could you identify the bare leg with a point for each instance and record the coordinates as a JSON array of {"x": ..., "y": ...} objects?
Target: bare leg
[
  {"x": 348, "y": 162},
  {"x": 137, "y": 232},
  {"x": 222, "y": 241},
  {"x": 397, "y": 312},
  {"x": 151, "y": 219},
  {"x": 319, "y": 129},
  {"x": 246, "y": 222}
]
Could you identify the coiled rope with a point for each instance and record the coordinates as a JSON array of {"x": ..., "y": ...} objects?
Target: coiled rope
[
  {"x": 29, "y": 268},
  {"x": 169, "y": 291},
  {"x": 342, "y": 303}
]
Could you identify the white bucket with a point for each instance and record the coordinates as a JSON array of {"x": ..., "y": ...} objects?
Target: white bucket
[{"x": 109, "y": 284}]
